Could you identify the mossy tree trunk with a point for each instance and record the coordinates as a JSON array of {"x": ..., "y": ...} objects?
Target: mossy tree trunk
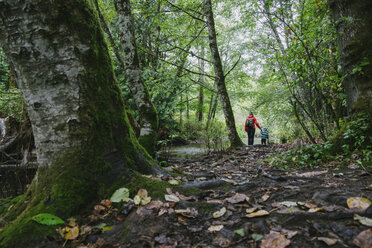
[
  {"x": 353, "y": 21},
  {"x": 148, "y": 116},
  {"x": 84, "y": 143},
  {"x": 354, "y": 27},
  {"x": 234, "y": 138}
]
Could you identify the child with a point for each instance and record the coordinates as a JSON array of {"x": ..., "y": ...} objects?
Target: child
[{"x": 264, "y": 136}]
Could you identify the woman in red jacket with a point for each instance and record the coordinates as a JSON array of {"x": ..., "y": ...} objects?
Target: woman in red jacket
[{"x": 250, "y": 128}]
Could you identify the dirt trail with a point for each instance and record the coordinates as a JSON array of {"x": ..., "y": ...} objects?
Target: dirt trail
[{"x": 240, "y": 202}]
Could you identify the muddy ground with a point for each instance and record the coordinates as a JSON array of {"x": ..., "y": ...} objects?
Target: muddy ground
[{"x": 241, "y": 202}]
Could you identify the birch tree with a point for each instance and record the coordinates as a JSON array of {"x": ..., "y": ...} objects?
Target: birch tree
[
  {"x": 83, "y": 139},
  {"x": 234, "y": 138},
  {"x": 148, "y": 116}
]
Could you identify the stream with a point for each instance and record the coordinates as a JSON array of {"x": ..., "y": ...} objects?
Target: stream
[{"x": 192, "y": 150}]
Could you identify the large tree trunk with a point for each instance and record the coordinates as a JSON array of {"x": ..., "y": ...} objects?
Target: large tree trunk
[
  {"x": 148, "y": 116},
  {"x": 83, "y": 140},
  {"x": 235, "y": 141},
  {"x": 354, "y": 26}
]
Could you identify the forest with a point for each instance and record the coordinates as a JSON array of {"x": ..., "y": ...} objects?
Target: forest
[{"x": 185, "y": 123}]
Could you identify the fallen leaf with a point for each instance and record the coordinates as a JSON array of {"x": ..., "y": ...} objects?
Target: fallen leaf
[
  {"x": 72, "y": 233},
  {"x": 358, "y": 202},
  {"x": 106, "y": 228},
  {"x": 315, "y": 210},
  {"x": 142, "y": 197},
  {"x": 47, "y": 219},
  {"x": 189, "y": 212},
  {"x": 310, "y": 205},
  {"x": 328, "y": 241},
  {"x": 219, "y": 213},
  {"x": 369, "y": 187},
  {"x": 256, "y": 237},
  {"x": 364, "y": 239},
  {"x": 237, "y": 198},
  {"x": 363, "y": 220},
  {"x": 171, "y": 198},
  {"x": 154, "y": 205},
  {"x": 265, "y": 197},
  {"x": 288, "y": 210},
  {"x": 240, "y": 232},
  {"x": 215, "y": 228},
  {"x": 288, "y": 203},
  {"x": 257, "y": 214},
  {"x": 185, "y": 198},
  {"x": 274, "y": 240},
  {"x": 119, "y": 195},
  {"x": 251, "y": 210},
  {"x": 312, "y": 173},
  {"x": 173, "y": 182},
  {"x": 288, "y": 233},
  {"x": 106, "y": 203}
]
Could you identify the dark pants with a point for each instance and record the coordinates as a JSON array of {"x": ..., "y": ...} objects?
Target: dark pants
[
  {"x": 251, "y": 132},
  {"x": 263, "y": 142}
]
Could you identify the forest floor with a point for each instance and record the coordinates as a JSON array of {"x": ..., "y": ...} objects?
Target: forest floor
[{"x": 241, "y": 202}]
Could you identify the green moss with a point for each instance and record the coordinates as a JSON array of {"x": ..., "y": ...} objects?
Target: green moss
[
  {"x": 108, "y": 150},
  {"x": 189, "y": 191},
  {"x": 156, "y": 189}
]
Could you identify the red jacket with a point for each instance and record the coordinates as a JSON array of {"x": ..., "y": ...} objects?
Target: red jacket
[{"x": 255, "y": 123}]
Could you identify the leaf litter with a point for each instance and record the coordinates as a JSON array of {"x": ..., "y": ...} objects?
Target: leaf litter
[{"x": 237, "y": 205}]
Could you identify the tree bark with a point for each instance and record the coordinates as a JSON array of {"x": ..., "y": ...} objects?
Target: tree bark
[
  {"x": 148, "y": 116},
  {"x": 354, "y": 27},
  {"x": 83, "y": 139},
  {"x": 234, "y": 138}
]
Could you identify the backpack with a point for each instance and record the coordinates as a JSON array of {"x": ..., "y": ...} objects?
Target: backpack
[{"x": 249, "y": 123}]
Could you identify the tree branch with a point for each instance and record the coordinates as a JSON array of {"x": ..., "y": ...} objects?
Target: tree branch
[
  {"x": 232, "y": 68},
  {"x": 184, "y": 11}
]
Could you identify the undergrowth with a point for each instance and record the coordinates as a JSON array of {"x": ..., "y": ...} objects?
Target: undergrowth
[{"x": 352, "y": 145}]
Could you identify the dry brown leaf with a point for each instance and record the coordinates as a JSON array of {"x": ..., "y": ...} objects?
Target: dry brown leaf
[
  {"x": 237, "y": 198},
  {"x": 257, "y": 214},
  {"x": 358, "y": 203},
  {"x": 189, "y": 212},
  {"x": 219, "y": 213},
  {"x": 310, "y": 205},
  {"x": 265, "y": 197},
  {"x": 154, "y": 204},
  {"x": 315, "y": 210},
  {"x": 185, "y": 198},
  {"x": 162, "y": 211},
  {"x": 215, "y": 228},
  {"x": 328, "y": 241},
  {"x": 364, "y": 239},
  {"x": 171, "y": 198},
  {"x": 363, "y": 220},
  {"x": 274, "y": 240},
  {"x": 251, "y": 210},
  {"x": 312, "y": 173},
  {"x": 215, "y": 201},
  {"x": 290, "y": 234},
  {"x": 106, "y": 203}
]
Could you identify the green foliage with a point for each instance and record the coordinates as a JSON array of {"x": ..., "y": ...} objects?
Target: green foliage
[
  {"x": 47, "y": 219},
  {"x": 354, "y": 142},
  {"x": 215, "y": 136}
]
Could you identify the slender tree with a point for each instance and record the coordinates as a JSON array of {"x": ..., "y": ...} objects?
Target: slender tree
[
  {"x": 83, "y": 139},
  {"x": 199, "y": 114},
  {"x": 148, "y": 116},
  {"x": 234, "y": 138}
]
